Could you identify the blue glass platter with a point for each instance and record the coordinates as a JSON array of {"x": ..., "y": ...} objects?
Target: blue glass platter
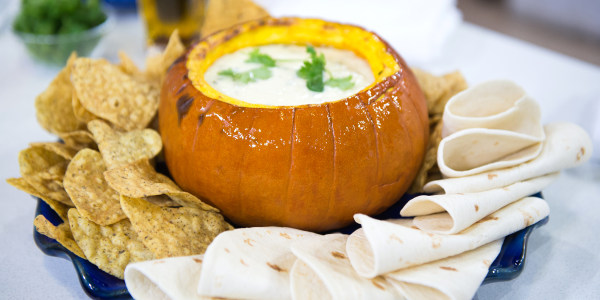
[{"x": 100, "y": 285}]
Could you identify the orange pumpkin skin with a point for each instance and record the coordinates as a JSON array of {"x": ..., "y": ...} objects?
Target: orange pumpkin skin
[{"x": 310, "y": 167}]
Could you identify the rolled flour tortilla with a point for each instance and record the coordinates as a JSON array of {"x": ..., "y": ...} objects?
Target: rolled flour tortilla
[
  {"x": 459, "y": 211},
  {"x": 567, "y": 145},
  {"x": 323, "y": 271},
  {"x": 453, "y": 278},
  {"x": 497, "y": 104},
  {"x": 250, "y": 263},
  {"x": 489, "y": 126},
  {"x": 477, "y": 150},
  {"x": 173, "y": 278},
  {"x": 383, "y": 246}
]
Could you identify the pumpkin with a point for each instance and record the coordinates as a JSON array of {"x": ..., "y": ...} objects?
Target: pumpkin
[{"x": 310, "y": 167}]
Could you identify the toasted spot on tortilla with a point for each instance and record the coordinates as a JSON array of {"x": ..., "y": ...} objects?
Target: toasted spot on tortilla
[
  {"x": 249, "y": 242},
  {"x": 580, "y": 154},
  {"x": 396, "y": 238},
  {"x": 488, "y": 218},
  {"x": 285, "y": 235},
  {"x": 414, "y": 227},
  {"x": 487, "y": 262},
  {"x": 527, "y": 218},
  {"x": 377, "y": 285},
  {"x": 226, "y": 250},
  {"x": 448, "y": 268},
  {"x": 436, "y": 243},
  {"x": 476, "y": 207},
  {"x": 276, "y": 267},
  {"x": 492, "y": 176},
  {"x": 337, "y": 254},
  {"x": 197, "y": 260},
  {"x": 159, "y": 262},
  {"x": 243, "y": 262}
]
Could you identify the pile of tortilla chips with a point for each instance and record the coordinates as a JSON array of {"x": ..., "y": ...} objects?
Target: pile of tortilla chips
[{"x": 116, "y": 208}]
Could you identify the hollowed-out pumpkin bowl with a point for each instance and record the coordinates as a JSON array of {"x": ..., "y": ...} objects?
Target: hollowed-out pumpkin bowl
[{"x": 309, "y": 166}]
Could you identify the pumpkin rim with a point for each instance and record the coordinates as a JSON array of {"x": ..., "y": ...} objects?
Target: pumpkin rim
[{"x": 289, "y": 30}]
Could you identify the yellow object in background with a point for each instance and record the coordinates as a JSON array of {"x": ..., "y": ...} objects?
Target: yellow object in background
[{"x": 162, "y": 17}]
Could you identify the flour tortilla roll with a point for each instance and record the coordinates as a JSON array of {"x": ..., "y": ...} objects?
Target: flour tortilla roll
[
  {"x": 453, "y": 278},
  {"x": 170, "y": 278},
  {"x": 477, "y": 150},
  {"x": 451, "y": 213},
  {"x": 250, "y": 263},
  {"x": 497, "y": 104},
  {"x": 567, "y": 145},
  {"x": 391, "y": 245},
  {"x": 323, "y": 271},
  {"x": 490, "y": 126}
]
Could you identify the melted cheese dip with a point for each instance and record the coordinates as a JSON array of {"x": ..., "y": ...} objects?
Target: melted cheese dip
[{"x": 284, "y": 87}]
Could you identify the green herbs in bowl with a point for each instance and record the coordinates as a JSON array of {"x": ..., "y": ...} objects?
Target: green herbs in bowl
[{"x": 52, "y": 29}]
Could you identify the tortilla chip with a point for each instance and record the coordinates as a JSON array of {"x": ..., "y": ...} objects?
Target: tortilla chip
[
  {"x": 58, "y": 148},
  {"x": 438, "y": 90},
  {"x": 111, "y": 247},
  {"x": 139, "y": 180},
  {"x": 127, "y": 65},
  {"x": 157, "y": 66},
  {"x": 44, "y": 171},
  {"x": 161, "y": 200},
  {"x": 170, "y": 231},
  {"x": 53, "y": 107},
  {"x": 91, "y": 194},
  {"x": 107, "y": 92},
  {"x": 121, "y": 148},
  {"x": 78, "y": 140},
  {"x": 61, "y": 209},
  {"x": 81, "y": 113},
  {"x": 61, "y": 233},
  {"x": 226, "y": 13}
]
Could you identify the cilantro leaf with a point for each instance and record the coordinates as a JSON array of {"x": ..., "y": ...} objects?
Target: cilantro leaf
[
  {"x": 261, "y": 73},
  {"x": 261, "y": 58},
  {"x": 343, "y": 83},
  {"x": 312, "y": 71},
  {"x": 248, "y": 76}
]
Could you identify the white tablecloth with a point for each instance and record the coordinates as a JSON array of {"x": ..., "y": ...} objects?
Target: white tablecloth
[{"x": 563, "y": 260}]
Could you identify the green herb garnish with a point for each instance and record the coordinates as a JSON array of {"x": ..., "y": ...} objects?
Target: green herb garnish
[
  {"x": 248, "y": 76},
  {"x": 312, "y": 71},
  {"x": 342, "y": 83},
  {"x": 261, "y": 58}
]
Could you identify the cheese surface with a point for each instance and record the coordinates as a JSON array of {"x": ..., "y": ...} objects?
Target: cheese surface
[{"x": 284, "y": 87}]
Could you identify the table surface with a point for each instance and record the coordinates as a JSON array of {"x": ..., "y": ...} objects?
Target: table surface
[{"x": 563, "y": 259}]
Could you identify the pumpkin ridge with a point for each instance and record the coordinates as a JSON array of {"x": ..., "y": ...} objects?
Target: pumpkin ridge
[
  {"x": 201, "y": 116},
  {"x": 377, "y": 154},
  {"x": 289, "y": 173},
  {"x": 334, "y": 169}
]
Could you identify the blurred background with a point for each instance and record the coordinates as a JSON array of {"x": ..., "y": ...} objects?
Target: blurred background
[{"x": 571, "y": 27}]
